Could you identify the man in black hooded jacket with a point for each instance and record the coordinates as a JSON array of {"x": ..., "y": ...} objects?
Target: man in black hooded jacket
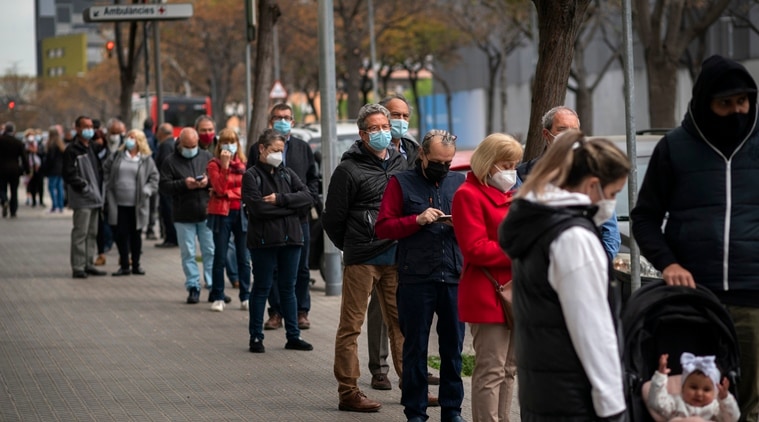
[{"x": 702, "y": 175}]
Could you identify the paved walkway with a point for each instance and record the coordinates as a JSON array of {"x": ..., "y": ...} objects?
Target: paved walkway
[{"x": 130, "y": 348}]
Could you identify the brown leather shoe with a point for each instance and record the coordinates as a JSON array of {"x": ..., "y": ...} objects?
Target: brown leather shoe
[
  {"x": 358, "y": 402},
  {"x": 274, "y": 322},
  {"x": 432, "y": 401},
  {"x": 100, "y": 260},
  {"x": 303, "y": 322},
  {"x": 381, "y": 382}
]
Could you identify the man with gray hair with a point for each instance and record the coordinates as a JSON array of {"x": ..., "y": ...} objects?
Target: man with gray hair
[
  {"x": 556, "y": 121},
  {"x": 165, "y": 148},
  {"x": 428, "y": 278},
  {"x": 183, "y": 177},
  {"x": 351, "y": 209}
]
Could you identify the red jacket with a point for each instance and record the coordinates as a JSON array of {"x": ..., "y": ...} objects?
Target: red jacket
[
  {"x": 226, "y": 186},
  {"x": 477, "y": 212}
]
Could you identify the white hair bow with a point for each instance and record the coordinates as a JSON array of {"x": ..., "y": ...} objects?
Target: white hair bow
[{"x": 705, "y": 364}]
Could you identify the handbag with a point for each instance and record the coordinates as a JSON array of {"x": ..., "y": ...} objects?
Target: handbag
[{"x": 503, "y": 292}]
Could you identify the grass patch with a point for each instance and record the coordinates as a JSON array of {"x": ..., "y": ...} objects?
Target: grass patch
[{"x": 467, "y": 364}]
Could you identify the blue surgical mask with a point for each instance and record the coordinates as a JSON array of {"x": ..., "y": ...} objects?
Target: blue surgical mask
[
  {"x": 189, "y": 152},
  {"x": 129, "y": 144},
  {"x": 380, "y": 140},
  {"x": 232, "y": 148},
  {"x": 398, "y": 128},
  {"x": 281, "y": 126},
  {"x": 88, "y": 133}
]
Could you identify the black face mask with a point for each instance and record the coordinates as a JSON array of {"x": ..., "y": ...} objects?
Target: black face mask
[{"x": 435, "y": 172}]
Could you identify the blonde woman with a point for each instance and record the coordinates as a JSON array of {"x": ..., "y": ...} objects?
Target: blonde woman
[
  {"x": 567, "y": 353},
  {"x": 479, "y": 206},
  {"x": 131, "y": 177},
  {"x": 226, "y": 218}
]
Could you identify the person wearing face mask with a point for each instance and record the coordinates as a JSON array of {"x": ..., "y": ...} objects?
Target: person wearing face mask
[
  {"x": 206, "y": 128},
  {"x": 226, "y": 217},
  {"x": 557, "y": 120},
  {"x": 131, "y": 178},
  {"x": 83, "y": 174},
  {"x": 565, "y": 315},
  {"x": 479, "y": 206},
  {"x": 350, "y": 212},
  {"x": 115, "y": 137},
  {"x": 702, "y": 179},
  {"x": 400, "y": 113},
  {"x": 183, "y": 177},
  {"x": 429, "y": 266},
  {"x": 274, "y": 197},
  {"x": 298, "y": 157}
]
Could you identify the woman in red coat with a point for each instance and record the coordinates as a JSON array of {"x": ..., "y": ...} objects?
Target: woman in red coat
[
  {"x": 226, "y": 217},
  {"x": 479, "y": 206}
]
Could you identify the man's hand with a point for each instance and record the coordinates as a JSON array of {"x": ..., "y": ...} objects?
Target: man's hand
[
  {"x": 225, "y": 157},
  {"x": 428, "y": 216},
  {"x": 675, "y": 275},
  {"x": 191, "y": 183},
  {"x": 663, "y": 364},
  {"x": 270, "y": 198}
]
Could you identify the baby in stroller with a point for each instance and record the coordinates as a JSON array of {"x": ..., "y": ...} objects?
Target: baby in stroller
[{"x": 700, "y": 379}]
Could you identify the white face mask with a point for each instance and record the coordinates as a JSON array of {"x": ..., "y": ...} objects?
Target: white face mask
[
  {"x": 274, "y": 158},
  {"x": 503, "y": 180},
  {"x": 606, "y": 208},
  {"x": 115, "y": 139}
]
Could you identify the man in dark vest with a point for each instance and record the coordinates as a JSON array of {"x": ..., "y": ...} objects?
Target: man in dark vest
[
  {"x": 702, "y": 175},
  {"x": 429, "y": 266}
]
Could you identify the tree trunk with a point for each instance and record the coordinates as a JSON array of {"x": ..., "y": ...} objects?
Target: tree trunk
[
  {"x": 662, "y": 91},
  {"x": 268, "y": 13},
  {"x": 494, "y": 63},
  {"x": 558, "y": 23},
  {"x": 584, "y": 99},
  {"x": 504, "y": 97}
]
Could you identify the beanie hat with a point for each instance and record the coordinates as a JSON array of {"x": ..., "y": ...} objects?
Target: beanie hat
[{"x": 732, "y": 83}]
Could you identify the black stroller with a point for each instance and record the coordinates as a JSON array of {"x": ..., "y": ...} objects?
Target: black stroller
[{"x": 662, "y": 319}]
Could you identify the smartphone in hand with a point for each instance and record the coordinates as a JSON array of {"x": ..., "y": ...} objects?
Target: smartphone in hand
[
  {"x": 443, "y": 219},
  {"x": 200, "y": 178}
]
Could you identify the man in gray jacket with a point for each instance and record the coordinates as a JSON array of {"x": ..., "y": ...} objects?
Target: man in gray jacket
[{"x": 83, "y": 174}]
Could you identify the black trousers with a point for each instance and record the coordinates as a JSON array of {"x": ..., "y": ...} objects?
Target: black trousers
[
  {"x": 128, "y": 238},
  {"x": 5, "y": 181},
  {"x": 167, "y": 221}
]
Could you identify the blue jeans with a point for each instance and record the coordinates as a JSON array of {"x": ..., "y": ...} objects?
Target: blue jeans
[
  {"x": 224, "y": 228},
  {"x": 417, "y": 304},
  {"x": 186, "y": 233},
  {"x": 283, "y": 259},
  {"x": 231, "y": 264},
  {"x": 55, "y": 186},
  {"x": 302, "y": 282}
]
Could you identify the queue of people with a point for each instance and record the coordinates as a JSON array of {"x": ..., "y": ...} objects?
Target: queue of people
[{"x": 421, "y": 243}]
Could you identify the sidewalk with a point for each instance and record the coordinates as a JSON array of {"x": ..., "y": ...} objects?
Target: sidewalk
[{"x": 130, "y": 348}]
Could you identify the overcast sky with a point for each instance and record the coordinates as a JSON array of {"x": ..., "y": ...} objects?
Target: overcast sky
[{"x": 17, "y": 36}]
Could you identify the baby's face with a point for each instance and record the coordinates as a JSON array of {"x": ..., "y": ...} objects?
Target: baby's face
[{"x": 698, "y": 390}]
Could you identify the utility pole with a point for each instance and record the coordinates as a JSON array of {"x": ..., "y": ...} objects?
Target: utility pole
[{"x": 373, "y": 52}]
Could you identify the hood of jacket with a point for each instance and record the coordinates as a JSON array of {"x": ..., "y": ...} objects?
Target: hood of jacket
[
  {"x": 717, "y": 75},
  {"x": 529, "y": 218}
]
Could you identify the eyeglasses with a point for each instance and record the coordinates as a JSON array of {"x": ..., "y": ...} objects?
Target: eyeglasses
[
  {"x": 372, "y": 129},
  {"x": 446, "y": 136},
  {"x": 287, "y": 118}
]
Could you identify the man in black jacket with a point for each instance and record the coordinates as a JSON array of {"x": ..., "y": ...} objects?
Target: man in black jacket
[
  {"x": 702, "y": 176},
  {"x": 298, "y": 157},
  {"x": 353, "y": 201},
  {"x": 83, "y": 173},
  {"x": 12, "y": 164},
  {"x": 166, "y": 147},
  {"x": 184, "y": 178}
]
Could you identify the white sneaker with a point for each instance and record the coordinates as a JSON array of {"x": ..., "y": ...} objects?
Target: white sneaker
[
  {"x": 245, "y": 305},
  {"x": 217, "y": 306}
]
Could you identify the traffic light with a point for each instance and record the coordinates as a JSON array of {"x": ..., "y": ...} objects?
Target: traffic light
[
  {"x": 109, "y": 48},
  {"x": 11, "y": 105}
]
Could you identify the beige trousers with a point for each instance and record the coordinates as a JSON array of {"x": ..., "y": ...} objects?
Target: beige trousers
[{"x": 494, "y": 372}]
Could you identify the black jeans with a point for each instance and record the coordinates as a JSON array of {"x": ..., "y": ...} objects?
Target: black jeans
[
  {"x": 164, "y": 204},
  {"x": 11, "y": 180},
  {"x": 128, "y": 238}
]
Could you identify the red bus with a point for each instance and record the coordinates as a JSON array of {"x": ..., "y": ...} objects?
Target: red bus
[{"x": 179, "y": 111}]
